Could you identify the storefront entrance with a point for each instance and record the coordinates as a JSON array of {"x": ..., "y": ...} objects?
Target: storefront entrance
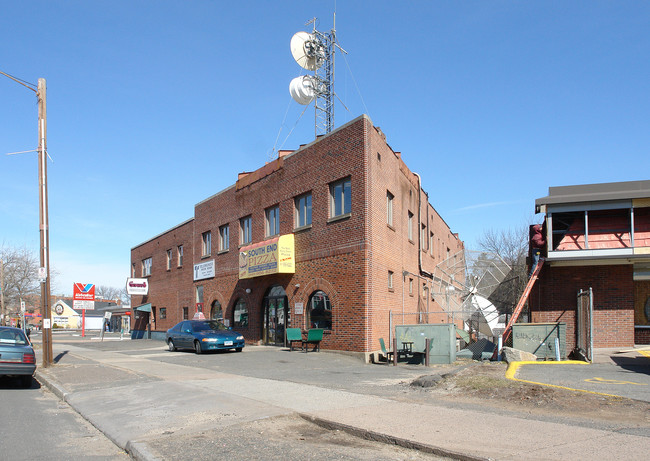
[{"x": 276, "y": 316}]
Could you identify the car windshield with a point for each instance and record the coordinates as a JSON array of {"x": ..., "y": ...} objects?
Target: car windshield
[
  {"x": 13, "y": 337},
  {"x": 208, "y": 325}
]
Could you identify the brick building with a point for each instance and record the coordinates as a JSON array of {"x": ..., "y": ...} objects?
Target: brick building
[
  {"x": 335, "y": 235},
  {"x": 598, "y": 237}
]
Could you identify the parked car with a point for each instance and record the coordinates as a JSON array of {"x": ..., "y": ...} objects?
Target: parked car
[
  {"x": 203, "y": 335},
  {"x": 17, "y": 357}
]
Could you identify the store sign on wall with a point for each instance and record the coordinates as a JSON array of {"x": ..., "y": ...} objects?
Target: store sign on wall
[
  {"x": 137, "y": 286},
  {"x": 204, "y": 270},
  {"x": 274, "y": 256}
]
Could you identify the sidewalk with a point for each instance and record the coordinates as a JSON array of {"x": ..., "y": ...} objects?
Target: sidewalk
[{"x": 136, "y": 400}]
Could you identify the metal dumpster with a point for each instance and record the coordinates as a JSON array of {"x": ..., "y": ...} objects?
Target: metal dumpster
[
  {"x": 539, "y": 338},
  {"x": 442, "y": 348}
]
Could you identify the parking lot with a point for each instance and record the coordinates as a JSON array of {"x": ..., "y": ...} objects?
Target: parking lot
[{"x": 620, "y": 373}]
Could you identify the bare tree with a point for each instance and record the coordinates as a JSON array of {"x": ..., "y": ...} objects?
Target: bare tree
[
  {"x": 107, "y": 293},
  {"x": 20, "y": 275},
  {"x": 512, "y": 245},
  {"x": 125, "y": 297}
]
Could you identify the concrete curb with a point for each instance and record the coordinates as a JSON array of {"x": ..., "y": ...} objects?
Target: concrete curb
[
  {"x": 137, "y": 450},
  {"x": 388, "y": 439}
]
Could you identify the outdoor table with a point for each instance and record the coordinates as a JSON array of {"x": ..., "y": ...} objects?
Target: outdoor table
[{"x": 407, "y": 347}]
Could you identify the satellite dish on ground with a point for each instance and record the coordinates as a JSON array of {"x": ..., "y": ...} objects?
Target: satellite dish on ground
[
  {"x": 302, "y": 89},
  {"x": 307, "y": 50}
]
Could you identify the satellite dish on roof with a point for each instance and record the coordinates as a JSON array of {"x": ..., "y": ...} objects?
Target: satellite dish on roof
[
  {"x": 302, "y": 89},
  {"x": 307, "y": 50}
]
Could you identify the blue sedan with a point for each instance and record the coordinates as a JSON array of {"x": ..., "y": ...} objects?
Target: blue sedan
[
  {"x": 16, "y": 355},
  {"x": 203, "y": 335}
]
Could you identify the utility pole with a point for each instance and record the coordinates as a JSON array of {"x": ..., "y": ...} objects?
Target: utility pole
[{"x": 44, "y": 270}]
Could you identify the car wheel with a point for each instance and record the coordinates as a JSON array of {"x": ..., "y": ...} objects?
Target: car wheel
[
  {"x": 238, "y": 349},
  {"x": 171, "y": 345},
  {"x": 26, "y": 381},
  {"x": 197, "y": 347}
]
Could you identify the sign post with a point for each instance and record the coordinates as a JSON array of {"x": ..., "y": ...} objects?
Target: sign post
[{"x": 83, "y": 297}]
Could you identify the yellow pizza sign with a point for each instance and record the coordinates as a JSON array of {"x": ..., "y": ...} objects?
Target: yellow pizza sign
[{"x": 274, "y": 256}]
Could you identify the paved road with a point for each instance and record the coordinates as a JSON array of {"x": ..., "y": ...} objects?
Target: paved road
[
  {"x": 36, "y": 425},
  {"x": 626, "y": 375},
  {"x": 145, "y": 398}
]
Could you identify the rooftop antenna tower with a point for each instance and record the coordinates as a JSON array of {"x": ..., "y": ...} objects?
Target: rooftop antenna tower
[{"x": 315, "y": 52}]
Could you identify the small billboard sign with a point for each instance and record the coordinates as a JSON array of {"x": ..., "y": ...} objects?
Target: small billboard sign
[
  {"x": 83, "y": 296},
  {"x": 137, "y": 286}
]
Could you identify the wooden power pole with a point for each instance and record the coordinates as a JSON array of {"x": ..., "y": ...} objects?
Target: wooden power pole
[{"x": 44, "y": 270}]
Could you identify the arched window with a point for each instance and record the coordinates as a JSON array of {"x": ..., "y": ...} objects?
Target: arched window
[
  {"x": 240, "y": 314},
  {"x": 216, "y": 313},
  {"x": 320, "y": 311}
]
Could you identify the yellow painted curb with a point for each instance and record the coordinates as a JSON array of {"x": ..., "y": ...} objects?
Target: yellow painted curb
[{"x": 514, "y": 366}]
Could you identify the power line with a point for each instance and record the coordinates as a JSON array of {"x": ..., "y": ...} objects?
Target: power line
[{"x": 24, "y": 83}]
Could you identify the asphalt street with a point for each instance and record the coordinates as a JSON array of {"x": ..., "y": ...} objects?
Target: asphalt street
[
  {"x": 155, "y": 403},
  {"x": 625, "y": 374}
]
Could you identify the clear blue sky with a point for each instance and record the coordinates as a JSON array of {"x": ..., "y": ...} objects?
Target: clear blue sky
[{"x": 154, "y": 106}]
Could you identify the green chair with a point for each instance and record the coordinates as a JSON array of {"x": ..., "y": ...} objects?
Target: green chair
[
  {"x": 314, "y": 336},
  {"x": 294, "y": 335},
  {"x": 388, "y": 354}
]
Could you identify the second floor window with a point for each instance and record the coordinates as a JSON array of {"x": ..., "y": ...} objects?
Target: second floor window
[
  {"x": 180, "y": 255},
  {"x": 246, "y": 235},
  {"x": 340, "y": 198},
  {"x": 169, "y": 259},
  {"x": 303, "y": 210},
  {"x": 206, "y": 238},
  {"x": 389, "y": 208},
  {"x": 410, "y": 225},
  {"x": 224, "y": 238},
  {"x": 273, "y": 221},
  {"x": 146, "y": 267}
]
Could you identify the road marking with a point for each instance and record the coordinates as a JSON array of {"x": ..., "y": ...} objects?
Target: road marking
[
  {"x": 612, "y": 381},
  {"x": 514, "y": 366},
  {"x": 645, "y": 353}
]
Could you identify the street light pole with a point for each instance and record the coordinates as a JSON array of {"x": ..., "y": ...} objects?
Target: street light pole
[{"x": 44, "y": 270}]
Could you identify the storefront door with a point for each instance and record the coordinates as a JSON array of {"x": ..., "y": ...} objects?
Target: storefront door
[{"x": 276, "y": 317}]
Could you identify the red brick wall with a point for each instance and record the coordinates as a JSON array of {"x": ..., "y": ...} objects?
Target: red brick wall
[
  {"x": 347, "y": 258},
  {"x": 554, "y": 299},
  {"x": 171, "y": 289}
]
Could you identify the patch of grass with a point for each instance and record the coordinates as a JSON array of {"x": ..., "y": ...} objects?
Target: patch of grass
[{"x": 482, "y": 383}]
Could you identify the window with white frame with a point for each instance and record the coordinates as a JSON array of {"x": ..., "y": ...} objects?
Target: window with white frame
[
  {"x": 206, "y": 243},
  {"x": 224, "y": 237},
  {"x": 169, "y": 259},
  {"x": 390, "y": 280},
  {"x": 146, "y": 267},
  {"x": 179, "y": 251},
  {"x": 411, "y": 286},
  {"x": 410, "y": 226},
  {"x": 303, "y": 210},
  {"x": 389, "y": 208},
  {"x": 245, "y": 232},
  {"x": 431, "y": 240},
  {"x": 272, "y": 221},
  {"x": 340, "y": 198}
]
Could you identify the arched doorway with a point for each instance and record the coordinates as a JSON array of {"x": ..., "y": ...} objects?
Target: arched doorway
[
  {"x": 216, "y": 313},
  {"x": 276, "y": 316}
]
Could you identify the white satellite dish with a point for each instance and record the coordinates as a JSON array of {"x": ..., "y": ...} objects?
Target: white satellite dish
[
  {"x": 307, "y": 50},
  {"x": 302, "y": 89}
]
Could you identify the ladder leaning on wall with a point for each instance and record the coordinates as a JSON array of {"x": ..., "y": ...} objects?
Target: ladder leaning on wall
[{"x": 522, "y": 300}]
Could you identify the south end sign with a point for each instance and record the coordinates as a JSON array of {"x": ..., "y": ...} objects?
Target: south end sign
[{"x": 274, "y": 256}]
